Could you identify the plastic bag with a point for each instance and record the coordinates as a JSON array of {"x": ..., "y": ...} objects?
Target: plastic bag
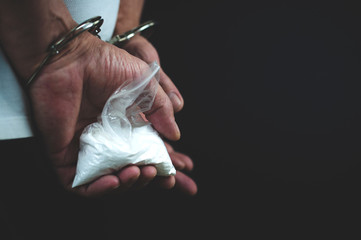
[{"x": 122, "y": 136}]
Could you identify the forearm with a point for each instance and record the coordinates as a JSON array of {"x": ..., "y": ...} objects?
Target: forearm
[
  {"x": 27, "y": 27},
  {"x": 129, "y": 15}
]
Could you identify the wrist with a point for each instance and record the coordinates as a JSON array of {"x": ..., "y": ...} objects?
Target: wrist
[
  {"x": 27, "y": 30},
  {"x": 129, "y": 15},
  {"x": 92, "y": 25},
  {"x": 69, "y": 64}
]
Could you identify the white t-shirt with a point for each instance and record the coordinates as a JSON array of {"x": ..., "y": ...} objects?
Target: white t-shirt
[{"x": 14, "y": 113}]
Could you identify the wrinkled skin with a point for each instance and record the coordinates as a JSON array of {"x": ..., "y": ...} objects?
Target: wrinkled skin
[{"x": 70, "y": 93}]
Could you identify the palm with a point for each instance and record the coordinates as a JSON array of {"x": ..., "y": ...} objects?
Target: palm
[
  {"x": 70, "y": 94},
  {"x": 62, "y": 107}
]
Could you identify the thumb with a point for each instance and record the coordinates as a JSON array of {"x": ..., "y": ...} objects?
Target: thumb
[{"x": 161, "y": 115}]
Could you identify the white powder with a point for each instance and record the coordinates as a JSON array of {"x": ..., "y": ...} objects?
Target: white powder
[{"x": 120, "y": 137}]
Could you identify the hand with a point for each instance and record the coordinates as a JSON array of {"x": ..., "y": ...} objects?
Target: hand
[
  {"x": 143, "y": 49},
  {"x": 182, "y": 163},
  {"x": 70, "y": 93}
]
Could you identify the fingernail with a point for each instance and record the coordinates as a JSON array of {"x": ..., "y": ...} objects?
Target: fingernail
[
  {"x": 115, "y": 186},
  {"x": 178, "y": 134},
  {"x": 175, "y": 100}
]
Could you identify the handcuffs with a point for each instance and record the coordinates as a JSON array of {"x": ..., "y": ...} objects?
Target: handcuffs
[
  {"x": 121, "y": 39},
  {"x": 91, "y": 25}
]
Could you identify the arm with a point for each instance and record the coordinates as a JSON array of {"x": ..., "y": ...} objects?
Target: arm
[
  {"x": 129, "y": 15},
  {"x": 71, "y": 90},
  {"x": 28, "y": 27}
]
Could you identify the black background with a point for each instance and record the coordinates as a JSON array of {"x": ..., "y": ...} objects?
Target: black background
[
  {"x": 271, "y": 120},
  {"x": 272, "y": 111}
]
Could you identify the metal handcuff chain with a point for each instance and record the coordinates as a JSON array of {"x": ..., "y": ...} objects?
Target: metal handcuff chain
[{"x": 93, "y": 26}]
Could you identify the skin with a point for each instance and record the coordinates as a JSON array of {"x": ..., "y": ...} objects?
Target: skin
[
  {"x": 71, "y": 90},
  {"x": 143, "y": 49}
]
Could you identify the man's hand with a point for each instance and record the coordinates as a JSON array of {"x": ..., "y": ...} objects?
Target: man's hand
[
  {"x": 143, "y": 49},
  {"x": 70, "y": 93},
  {"x": 71, "y": 90}
]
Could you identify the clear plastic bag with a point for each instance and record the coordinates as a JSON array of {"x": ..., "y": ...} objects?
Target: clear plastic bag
[{"x": 121, "y": 136}]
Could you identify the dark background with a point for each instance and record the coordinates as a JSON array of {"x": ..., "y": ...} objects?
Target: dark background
[
  {"x": 272, "y": 111},
  {"x": 271, "y": 119}
]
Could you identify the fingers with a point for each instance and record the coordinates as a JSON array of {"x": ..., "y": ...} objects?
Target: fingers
[
  {"x": 168, "y": 99},
  {"x": 127, "y": 177},
  {"x": 131, "y": 177},
  {"x": 143, "y": 49},
  {"x": 135, "y": 178},
  {"x": 185, "y": 184},
  {"x": 180, "y": 181},
  {"x": 101, "y": 186},
  {"x": 182, "y": 162},
  {"x": 172, "y": 91},
  {"x": 179, "y": 160},
  {"x": 165, "y": 182},
  {"x": 161, "y": 115}
]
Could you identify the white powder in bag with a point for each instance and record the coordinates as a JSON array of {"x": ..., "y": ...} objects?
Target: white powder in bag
[{"x": 120, "y": 137}]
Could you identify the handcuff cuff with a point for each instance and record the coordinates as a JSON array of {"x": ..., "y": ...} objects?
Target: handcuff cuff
[
  {"x": 121, "y": 39},
  {"x": 91, "y": 25}
]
